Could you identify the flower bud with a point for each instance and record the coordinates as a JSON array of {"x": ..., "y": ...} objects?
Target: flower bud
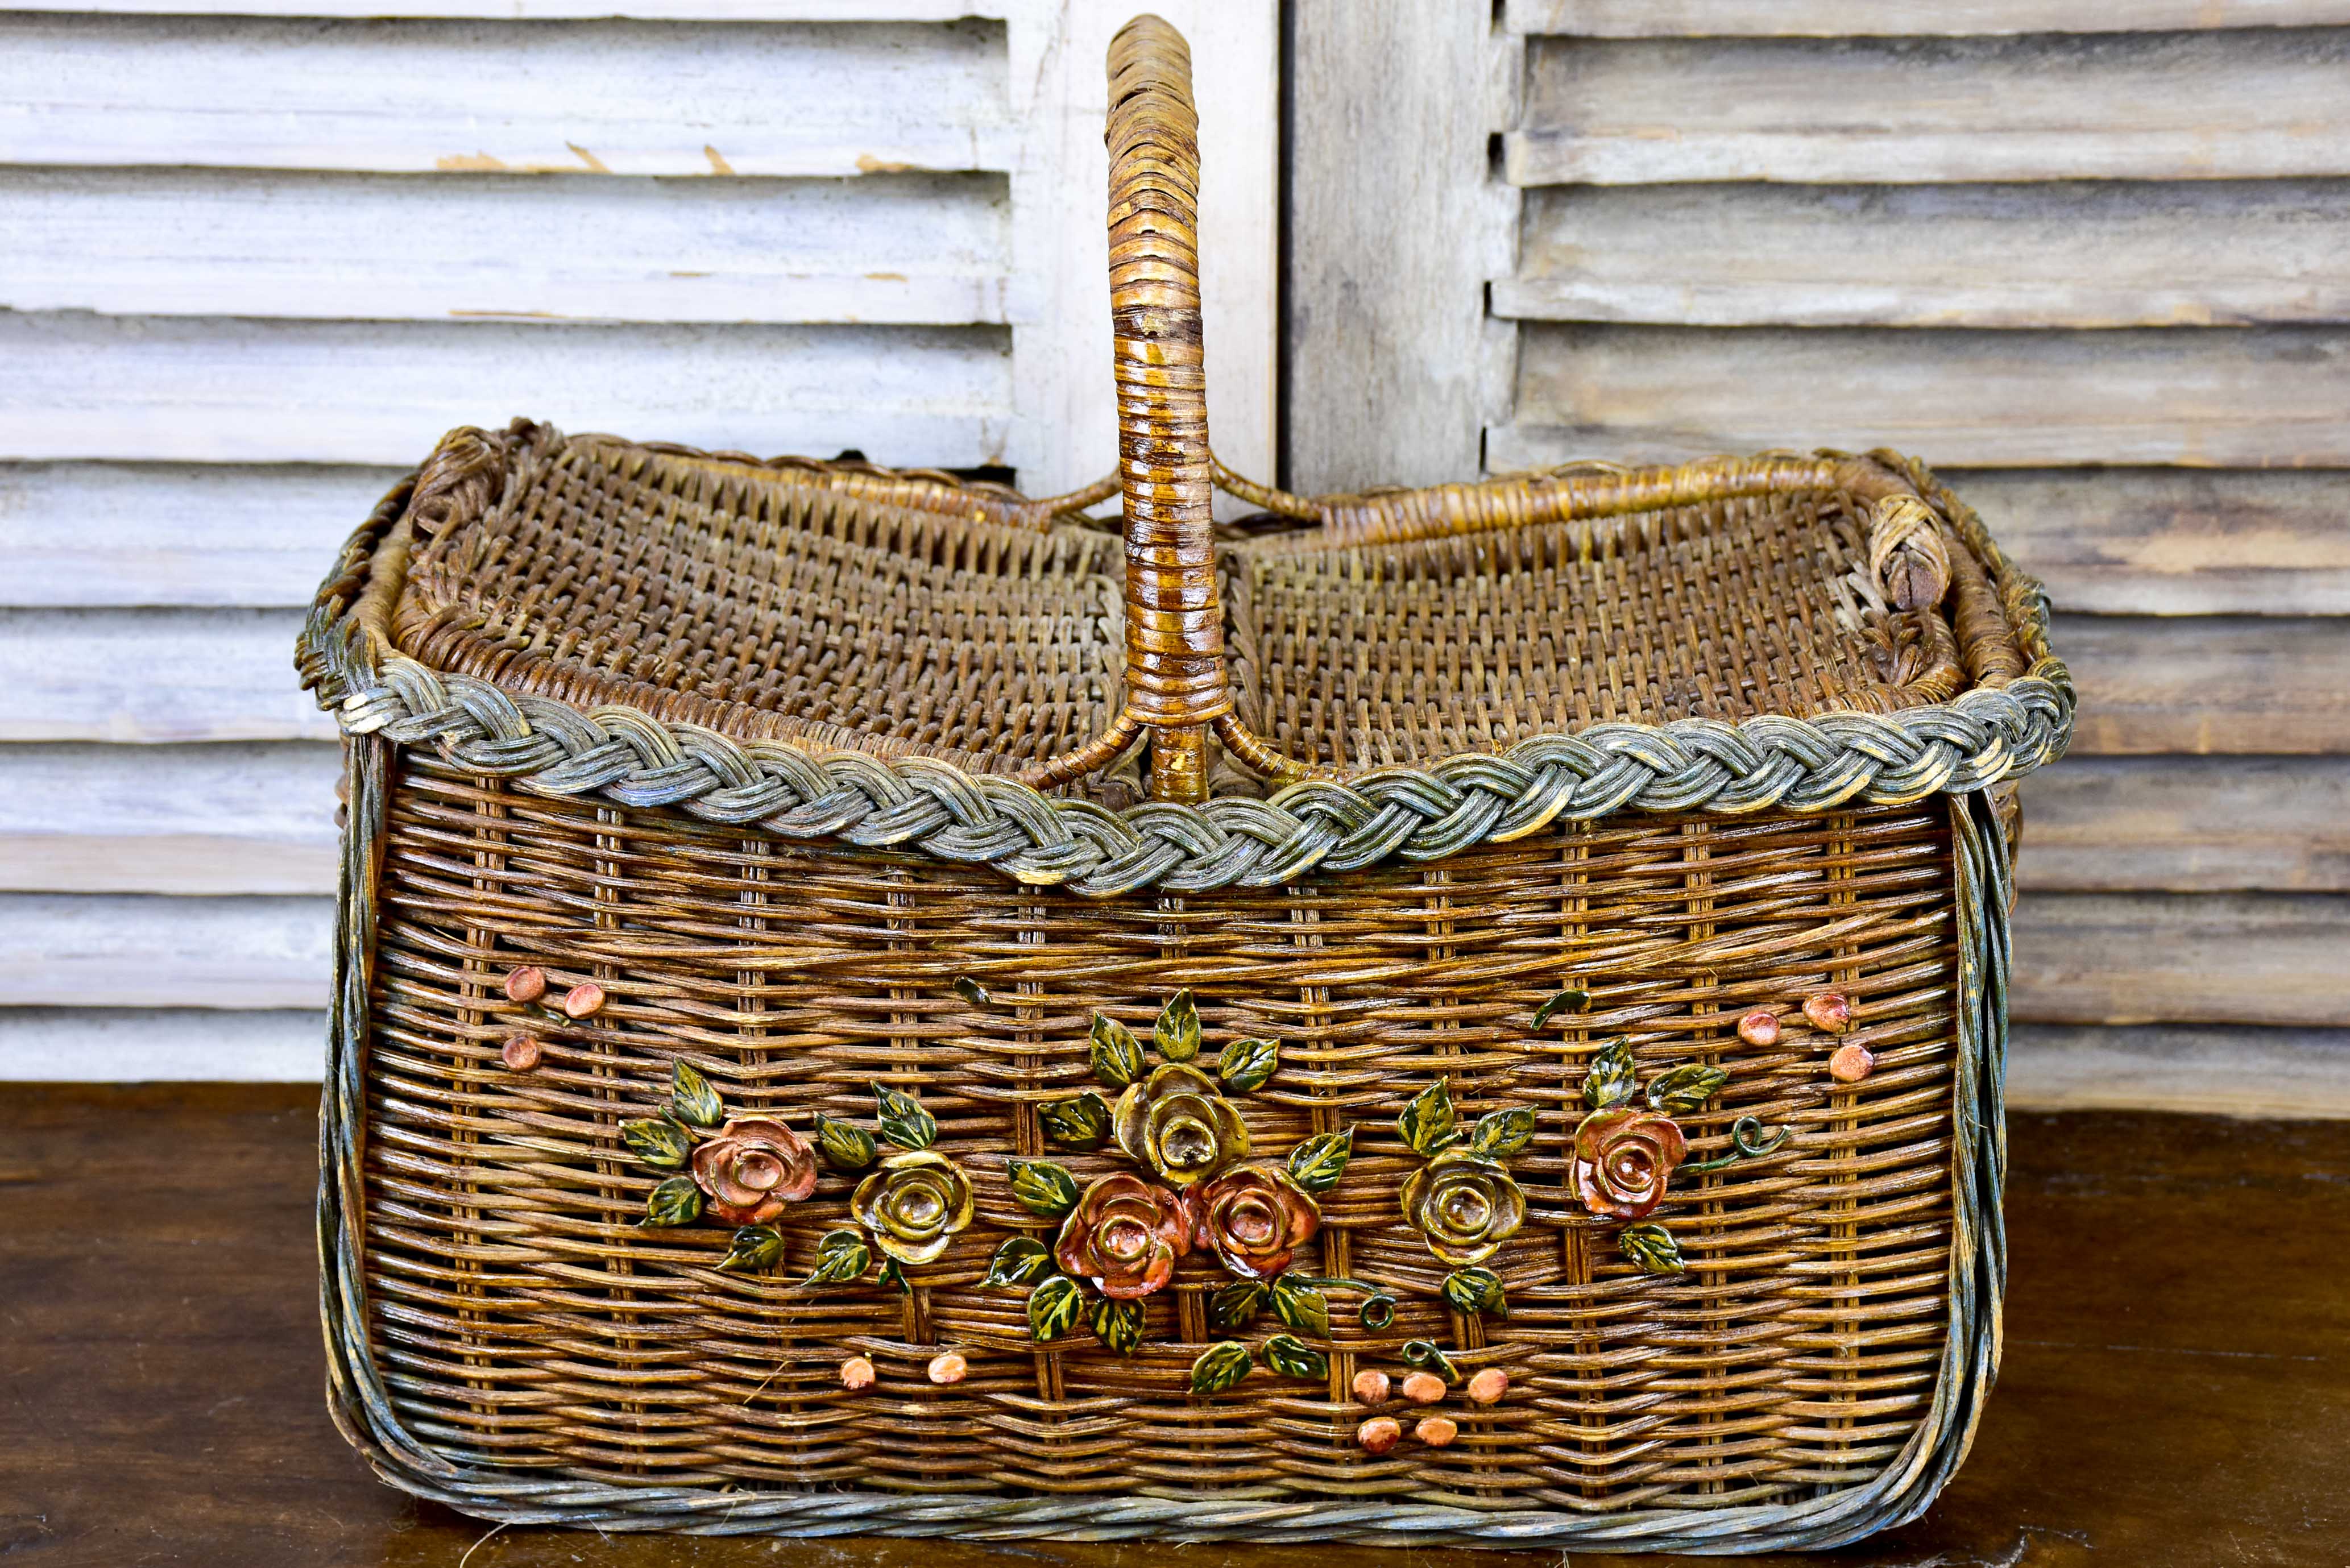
[
  {"x": 1372, "y": 1386},
  {"x": 1437, "y": 1431},
  {"x": 857, "y": 1374},
  {"x": 527, "y": 983},
  {"x": 1760, "y": 1027},
  {"x": 1488, "y": 1386},
  {"x": 949, "y": 1367},
  {"x": 520, "y": 1053},
  {"x": 1852, "y": 1063},
  {"x": 585, "y": 1000},
  {"x": 1830, "y": 1012},
  {"x": 1379, "y": 1435},
  {"x": 1423, "y": 1387}
]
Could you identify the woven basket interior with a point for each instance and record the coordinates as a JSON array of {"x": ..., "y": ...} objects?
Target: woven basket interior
[{"x": 909, "y": 619}]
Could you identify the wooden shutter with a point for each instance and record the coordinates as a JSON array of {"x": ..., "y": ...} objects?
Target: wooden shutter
[
  {"x": 255, "y": 262},
  {"x": 2089, "y": 261}
]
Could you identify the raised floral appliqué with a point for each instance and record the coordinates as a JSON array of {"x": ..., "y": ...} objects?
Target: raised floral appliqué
[
  {"x": 1464, "y": 1202},
  {"x": 747, "y": 1170},
  {"x": 1195, "y": 1190},
  {"x": 1624, "y": 1154}
]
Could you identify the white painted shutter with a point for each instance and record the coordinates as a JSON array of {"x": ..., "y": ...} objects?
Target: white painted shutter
[
  {"x": 258, "y": 258},
  {"x": 2093, "y": 262}
]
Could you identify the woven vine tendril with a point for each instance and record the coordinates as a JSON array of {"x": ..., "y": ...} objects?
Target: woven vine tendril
[{"x": 1413, "y": 814}]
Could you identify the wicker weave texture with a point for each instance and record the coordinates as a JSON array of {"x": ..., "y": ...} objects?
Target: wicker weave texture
[
  {"x": 910, "y": 618},
  {"x": 828, "y": 775},
  {"x": 519, "y": 1312}
]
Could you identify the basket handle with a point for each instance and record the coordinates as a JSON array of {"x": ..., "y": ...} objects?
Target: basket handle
[{"x": 1175, "y": 678}]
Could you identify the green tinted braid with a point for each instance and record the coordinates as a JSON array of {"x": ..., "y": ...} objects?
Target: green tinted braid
[{"x": 1836, "y": 761}]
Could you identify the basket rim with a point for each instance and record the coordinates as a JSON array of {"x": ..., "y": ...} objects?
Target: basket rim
[{"x": 1996, "y": 732}]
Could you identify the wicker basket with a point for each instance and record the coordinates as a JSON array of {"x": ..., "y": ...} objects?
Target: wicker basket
[{"x": 1478, "y": 1018}]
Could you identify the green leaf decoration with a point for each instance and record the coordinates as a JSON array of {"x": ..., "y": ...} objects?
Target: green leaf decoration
[
  {"x": 755, "y": 1248},
  {"x": 1236, "y": 1305},
  {"x": 1477, "y": 1291},
  {"x": 1246, "y": 1064},
  {"x": 1426, "y": 1357},
  {"x": 1611, "y": 1079},
  {"x": 1177, "y": 1032},
  {"x": 844, "y": 1145},
  {"x": 1685, "y": 1088},
  {"x": 903, "y": 1120},
  {"x": 1022, "y": 1261},
  {"x": 1042, "y": 1188},
  {"x": 1302, "y": 1307},
  {"x": 1316, "y": 1164},
  {"x": 970, "y": 990},
  {"x": 1429, "y": 1124},
  {"x": 659, "y": 1142},
  {"x": 1500, "y": 1133},
  {"x": 1081, "y": 1123},
  {"x": 1572, "y": 1000},
  {"x": 1287, "y": 1355},
  {"x": 1221, "y": 1366},
  {"x": 841, "y": 1256},
  {"x": 1115, "y": 1052},
  {"x": 1118, "y": 1325},
  {"x": 691, "y": 1100},
  {"x": 1054, "y": 1308},
  {"x": 677, "y": 1201},
  {"x": 1651, "y": 1248}
]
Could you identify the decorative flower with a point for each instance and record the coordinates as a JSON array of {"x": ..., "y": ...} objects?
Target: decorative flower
[
  {"x": 1253, "y": 1216},
  {"x": 913, "y": 1205},
  {"x": 1624, "y": 1158},
  {"x": 1179, "y": 1123},
  {"x": 1124, "y": 1235},
  {"x": 752, "y": 1167},
  {"x": 1466, "y": 1204}
]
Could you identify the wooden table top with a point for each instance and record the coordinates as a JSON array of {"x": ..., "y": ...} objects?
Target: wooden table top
[{"x": 2176, "y": 1392}]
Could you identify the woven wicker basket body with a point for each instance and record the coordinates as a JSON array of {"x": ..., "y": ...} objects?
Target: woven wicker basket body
[{"x": 827, "y": 775}]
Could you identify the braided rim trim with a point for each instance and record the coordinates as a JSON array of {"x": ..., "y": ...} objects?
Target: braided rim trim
[{"x": 1982, "y": 738}]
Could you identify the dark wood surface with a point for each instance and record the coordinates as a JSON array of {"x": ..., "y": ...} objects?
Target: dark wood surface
[{"x": 2177, "y": 1387}]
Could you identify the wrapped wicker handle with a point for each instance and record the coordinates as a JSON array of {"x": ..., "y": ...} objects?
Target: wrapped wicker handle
[{"x": 1175, "y": 676}]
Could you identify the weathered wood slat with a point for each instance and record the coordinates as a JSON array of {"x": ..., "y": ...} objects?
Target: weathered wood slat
[
  {"x": 2173, "y": 541},
  {"x": 87, "y": 1045},
  {"x": 153, "y": 676},
  {"x": 213, "y": 389},
  {"x": 1395, "y": 366},
  {"x": 2069, "y": 254},
  {"x": 561, "y": 10},
  {"x": 2287, "y": 1072},
  {"x": 2216, "y": 684},
  {"x": 122, "y": 951},
  {"x": 488, "y": 97},
  {"x": 2187, "y": 825},
  {"x": 2269, "y": 397},
  {"x": 889, "y": 249},
  {"x": 2164, "y": 958},
  {"x": 204, "y": 819},
  {"x": 100, "y": 534},
  {"x": 2254, "y": 104},
  {"x": 1841, "y": 19},
  {"x": 2207, "y": 685}
]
